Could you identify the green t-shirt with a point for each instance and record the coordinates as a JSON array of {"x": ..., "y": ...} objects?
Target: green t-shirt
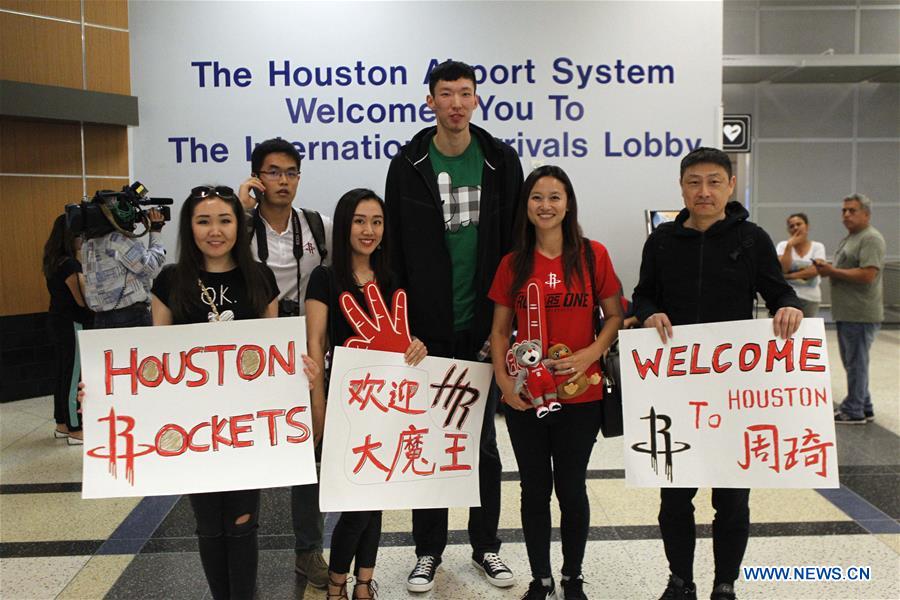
[
  {"x": 859, "y": 302},
  {"x": 459, "y": 183}
]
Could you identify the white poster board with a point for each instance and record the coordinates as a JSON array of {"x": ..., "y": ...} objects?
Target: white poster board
[
  {"x": 616, "y": 95},
  {"x": 195, "y": 408},
  {"x": 728, "y": 405},
  {"x": 402, "y": 437}
]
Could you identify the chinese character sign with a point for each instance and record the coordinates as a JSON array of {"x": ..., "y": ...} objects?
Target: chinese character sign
[
  {"x": 728, "y": 405},
  {"x": 402, "y": 437},
  {"x": 195, "y": 408}
]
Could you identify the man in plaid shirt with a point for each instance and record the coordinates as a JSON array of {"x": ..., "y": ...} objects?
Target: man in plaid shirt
[{"x": 450, "y": 197}]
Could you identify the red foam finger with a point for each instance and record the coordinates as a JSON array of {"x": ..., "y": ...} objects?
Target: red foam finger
[
  {"x": 377, "y": 308},
  {"x": 401, "y": 319},
  {"x": 356, "y": 316}
]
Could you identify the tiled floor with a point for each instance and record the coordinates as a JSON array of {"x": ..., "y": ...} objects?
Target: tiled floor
[{"x": 55, "y": 545}]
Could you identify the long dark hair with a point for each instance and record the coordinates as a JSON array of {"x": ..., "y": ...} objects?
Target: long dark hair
[
  {"x": 184, "y": 295},
  {"x": 342, "y": 253},
  {"x": 58, "y": 247},
  {"x": 524, "y": 235}
]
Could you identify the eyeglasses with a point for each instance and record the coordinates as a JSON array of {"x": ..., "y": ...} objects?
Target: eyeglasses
[
  {"x": 204, "y": 191},
  {"x": 276, "y": 175}
]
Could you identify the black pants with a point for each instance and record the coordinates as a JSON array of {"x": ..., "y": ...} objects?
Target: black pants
[
  {"x": 430, "y": 524},
  {"x": 356, "y": 534},
  {"x": 554, "y": 452},
  {"x": 136, "y": 315},
  {"x": 228, "y": 550},
  {"x": 731, "y": 528},
  {"x": 62, "y": 333}
]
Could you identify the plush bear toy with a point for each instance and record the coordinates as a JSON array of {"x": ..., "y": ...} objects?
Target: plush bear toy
[
  {"x": 571, "y": 389},
  {"x": 535, "y": 377}
]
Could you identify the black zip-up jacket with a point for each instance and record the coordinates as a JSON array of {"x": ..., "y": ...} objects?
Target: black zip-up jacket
[
  {"x": 420, "y": 258},
  {"x": 710, "y": 276}
]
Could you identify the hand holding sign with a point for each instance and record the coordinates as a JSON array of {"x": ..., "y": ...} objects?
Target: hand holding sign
[{"x": 384, "y": 331}]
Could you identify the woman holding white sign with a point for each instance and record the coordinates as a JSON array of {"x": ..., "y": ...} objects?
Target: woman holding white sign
[
  {"x": 552, "y": 283},
  {"x": 359, "y": 256},
  {"x": 214, "y": 256}
]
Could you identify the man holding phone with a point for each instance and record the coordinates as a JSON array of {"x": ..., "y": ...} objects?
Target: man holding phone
[{"x": 292, "y": 243}]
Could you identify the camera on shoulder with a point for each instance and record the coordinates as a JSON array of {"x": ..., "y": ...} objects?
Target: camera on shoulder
[{"x": 120, "y": 211}]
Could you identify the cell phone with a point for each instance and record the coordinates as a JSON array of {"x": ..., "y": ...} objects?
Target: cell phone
[{"x": 258, "y": 194}]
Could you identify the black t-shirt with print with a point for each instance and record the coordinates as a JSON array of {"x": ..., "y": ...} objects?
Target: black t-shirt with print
[
  {"x": 323, "y": 287},
  {"x": 226, "y": 290}
]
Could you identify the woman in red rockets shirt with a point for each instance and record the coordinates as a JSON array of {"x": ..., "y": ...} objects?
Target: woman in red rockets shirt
[{"x": 550, "y": 259}]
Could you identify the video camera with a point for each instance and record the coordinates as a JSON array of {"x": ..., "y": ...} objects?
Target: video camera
[{"x": 110, "y": 211}]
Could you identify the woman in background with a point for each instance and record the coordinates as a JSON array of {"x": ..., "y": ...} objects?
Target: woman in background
[
  {"x": 68, "y": 314},
  {"x": 797, "y": 255}
]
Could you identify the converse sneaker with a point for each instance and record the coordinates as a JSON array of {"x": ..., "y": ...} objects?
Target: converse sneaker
[
  {"x": 311, "y": 564},
  {"x": 572, "y": 588},
  {"x": 538, "y": 591},
  {"x": 678, "y": 589},
  {"x": 421, "y": 578},
  {"x": 723, "y": 591},
  {"x": 870, "y": 416},
  {"x": 495, "y": 570}
]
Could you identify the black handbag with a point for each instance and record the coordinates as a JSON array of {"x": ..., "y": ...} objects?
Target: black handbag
[{"x": 611, "y": 405}]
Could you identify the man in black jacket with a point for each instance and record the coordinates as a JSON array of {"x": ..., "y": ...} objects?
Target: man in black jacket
[
  {"x": 706, "y": 267},
  {"x": 451, "y": 196}
]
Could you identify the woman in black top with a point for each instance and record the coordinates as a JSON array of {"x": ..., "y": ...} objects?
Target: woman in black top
[
  {"x": 68, "y": 314},
  {"x": 359, "y": 255},
  {"x": 214, "y": 256}
]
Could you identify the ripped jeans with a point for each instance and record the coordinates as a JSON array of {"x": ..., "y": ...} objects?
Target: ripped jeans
[{"x": 227, "y": 524}]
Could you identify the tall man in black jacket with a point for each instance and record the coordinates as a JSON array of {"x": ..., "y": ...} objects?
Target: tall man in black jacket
[
  {"x": 706, "y": 267},
  {"x": 451, "y": 196}
]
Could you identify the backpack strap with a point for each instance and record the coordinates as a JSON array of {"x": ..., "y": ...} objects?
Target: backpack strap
[
  {"x": 259, "y": 232},
  {"x": 317, "y": 227}
]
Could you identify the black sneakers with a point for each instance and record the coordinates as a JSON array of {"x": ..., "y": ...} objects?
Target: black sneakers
[
  {"x": 572, "y": 589},
  {"x": 538, "y": 591},
  {"x": 495, "y": 570},
  {"x": 677, "y": 589},
  {"x": 421, "y": 578},
  {"x": 842, "y": 418}
]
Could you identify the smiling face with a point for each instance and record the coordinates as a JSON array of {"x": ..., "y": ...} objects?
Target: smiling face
[
  {"x": 280, "y": 191},
  {"x": 214, "y": 226},
  {"x": 547, "y": 203},
  {"x": 453, "y": 103},
  {"x": 705, "y": 188},
  {"x": 367, "y": 227}
]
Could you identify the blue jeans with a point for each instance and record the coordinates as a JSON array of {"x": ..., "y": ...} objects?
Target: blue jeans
[{"x": 854, "y": 342}]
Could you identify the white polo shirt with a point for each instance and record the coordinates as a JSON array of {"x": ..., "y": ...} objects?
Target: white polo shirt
[{"x": 281, "y": 256}]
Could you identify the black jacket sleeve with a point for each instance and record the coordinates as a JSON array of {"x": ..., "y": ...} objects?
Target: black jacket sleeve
[
  {"x": 645, "y": 293},
  {"x": 392, "y": 199},
  {"x": 770, "y": 281}
]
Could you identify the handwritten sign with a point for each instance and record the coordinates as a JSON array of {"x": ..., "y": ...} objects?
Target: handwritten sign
[
  {"x": 402, "y": 437},
  {"x": 195, "y": 408},
  {"x": 728, "y": 405}
]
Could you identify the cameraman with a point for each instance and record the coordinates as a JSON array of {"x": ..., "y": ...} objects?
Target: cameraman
[{"x": 119, "y": 270}]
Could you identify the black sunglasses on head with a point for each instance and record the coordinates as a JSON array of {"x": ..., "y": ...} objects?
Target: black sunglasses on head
[{"x": 204, "y": 191}]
